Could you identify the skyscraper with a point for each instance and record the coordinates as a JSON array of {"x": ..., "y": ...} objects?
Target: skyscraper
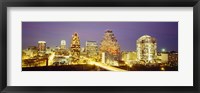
[
  {"x": 63, "y": 44},
  {"x": 110, "y": 47},
  {"x": 91, "y": 48},
  {"x": 75, "y": 46},
  {"x": 109, "y": 43},
  {"x": 41, "y": 46},
  {"x": 146, "y": 48}
]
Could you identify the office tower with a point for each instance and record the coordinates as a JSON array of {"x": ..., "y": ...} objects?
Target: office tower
[
  {"x": 91, "y": 48},
  {"x": 75, "y": 46},
  {"x": 109, "y": 44},
  {"x": 110, "y": 47},
  {"x": 146, "y": 48},
  {"x": 41, "y": 46}
]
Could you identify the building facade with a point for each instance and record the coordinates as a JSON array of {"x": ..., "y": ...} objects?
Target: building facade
[
  {"x": 146, "y": 49},
  {"x": 173, "y": 58},
  {"x": 163, "y": 56},
  {"x": 63, "y": 44},
  {"x": 75, "y": 47},
  {"x": 91, "y": 48},
  {"x": 109, "y": 43},
  {"x": 41, "y": 46},
  {"x": 110, "y": 46}
]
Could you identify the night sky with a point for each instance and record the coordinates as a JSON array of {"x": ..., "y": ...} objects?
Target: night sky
[{"x": 126, "y": 33}]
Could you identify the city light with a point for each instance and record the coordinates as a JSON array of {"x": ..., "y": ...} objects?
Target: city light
[
  {"x": 163, "y": 50},
  {"x": 104, "y": 54}
]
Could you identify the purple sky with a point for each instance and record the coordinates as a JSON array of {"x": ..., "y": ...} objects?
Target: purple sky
[{"x": 126, "y": 33}]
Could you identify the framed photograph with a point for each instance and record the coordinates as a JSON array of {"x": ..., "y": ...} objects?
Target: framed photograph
[{"x": 100, "y": 46}]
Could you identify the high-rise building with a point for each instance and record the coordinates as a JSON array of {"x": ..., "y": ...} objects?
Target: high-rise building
[
  {"x": 63, "y": 44},
  {"x": 41, "y": 46},
  {"x": 110, "y": 47},
  {"x": 75, "y": 46},
  {"x": 146, "y": 49},
  {"x": 91, "y": 48},
  {"x": 109, "y": 43}
]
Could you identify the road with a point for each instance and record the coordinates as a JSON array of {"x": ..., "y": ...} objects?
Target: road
[
  {"x": 107, "y": 67},
  {"x": 102, "y": 65}
]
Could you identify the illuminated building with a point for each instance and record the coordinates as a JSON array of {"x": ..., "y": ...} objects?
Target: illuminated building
[
  {"x": 83, "y": 51},
  {"x": 75, "y": 46},
  {"x": 129, "y": 57},
  {"x": 59, "y": 61},
  {"x": 57, "y": 47},
  {"x": 146, "y": 49},
  {"x": 30, "y": 52},
  {"x": 163, "y": 56},
  {"x": 49, "y": 50},
  {"x": 61, "y": 50},
  {"x": 41, "y": 46},
  {"x": 110, "y": 46},
  {"x": 63, "y": 44},
  {"x": 24, "y": 55},
  {"x": 173, "y": 58},
  {"x": 170, "y": 58},
  {"x": 35, "y": 62},
  {"x": 109, "y": 43},
  {"x": 91, "y": 48},
  {"x": 124, "y": 55},
  {"x": 103, "y": 58}
]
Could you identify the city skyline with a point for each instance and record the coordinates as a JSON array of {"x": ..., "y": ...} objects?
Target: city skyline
[{"x": 166, "y": 33}]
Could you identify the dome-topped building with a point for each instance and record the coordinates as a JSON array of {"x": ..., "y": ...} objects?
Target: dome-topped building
[
  {"x": 146, "y": 39},
  {"x": 146, "y": 48}
]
